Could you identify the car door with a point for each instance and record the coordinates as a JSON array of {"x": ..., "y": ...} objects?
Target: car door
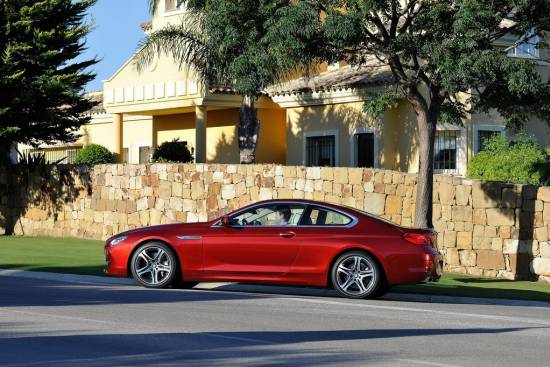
[{"x": 254, "y": 246}]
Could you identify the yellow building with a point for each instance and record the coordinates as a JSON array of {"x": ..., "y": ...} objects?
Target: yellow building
[{"x": 314, "y": 121}]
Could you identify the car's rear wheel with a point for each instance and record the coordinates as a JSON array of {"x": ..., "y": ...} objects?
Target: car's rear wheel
[
  {"x": 356, "y": 274},
  {"x": 154, "y": 265}
]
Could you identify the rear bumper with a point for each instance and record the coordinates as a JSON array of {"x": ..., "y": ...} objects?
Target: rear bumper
[{"x": 434, "y": 267}]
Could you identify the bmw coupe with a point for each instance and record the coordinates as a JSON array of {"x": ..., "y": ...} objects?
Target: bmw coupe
[{"x": 298, "y": 242}]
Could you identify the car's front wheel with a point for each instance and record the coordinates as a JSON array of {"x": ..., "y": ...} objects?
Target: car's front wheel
[
  {"x": 154, "y": 265},
  {"x": 356, "y": 274}
]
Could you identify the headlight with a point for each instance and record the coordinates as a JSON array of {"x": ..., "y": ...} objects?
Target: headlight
[{"x": 117, "y": 240}]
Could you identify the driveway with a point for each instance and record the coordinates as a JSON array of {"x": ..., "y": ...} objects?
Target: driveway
[{"x": 47, "y": 323}]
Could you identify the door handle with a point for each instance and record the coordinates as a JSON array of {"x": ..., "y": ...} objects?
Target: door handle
[{"x": 287, "y": 234}]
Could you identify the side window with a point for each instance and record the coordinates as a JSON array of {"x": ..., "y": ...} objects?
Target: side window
[
  {"x": 270, "y": 215},
  {"x": 326, "y": 217}
]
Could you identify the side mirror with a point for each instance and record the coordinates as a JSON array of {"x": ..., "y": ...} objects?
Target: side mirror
[{"x": 226, "y": 221}]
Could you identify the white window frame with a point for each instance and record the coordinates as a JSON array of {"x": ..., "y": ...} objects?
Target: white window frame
[
  {"x": 354, "y": 147},
  {"x": 321, "y": 133},
  {"x": 461, "y": 147},
  {"x": 477, "y": 128},
  {"x": 179, "y": 10}
]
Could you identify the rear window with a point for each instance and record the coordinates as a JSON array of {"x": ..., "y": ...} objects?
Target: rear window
[{"x": 325, "y": 217}]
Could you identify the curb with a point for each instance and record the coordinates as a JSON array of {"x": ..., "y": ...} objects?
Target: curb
[
  {"x": 66, "y": 278},
  {"x": 237, "y": 287}
]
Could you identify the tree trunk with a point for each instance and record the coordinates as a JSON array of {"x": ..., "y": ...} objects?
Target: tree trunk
[
  {"x": 249, "y": 126},
  {"x": 424, "y": 189}
]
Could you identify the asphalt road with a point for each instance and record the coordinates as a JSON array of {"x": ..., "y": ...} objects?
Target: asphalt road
[{"x": 45, "y": 323}]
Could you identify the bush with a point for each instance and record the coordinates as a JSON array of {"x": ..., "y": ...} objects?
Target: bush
[
  {"x": 522, "y": 161},
  {"x": 173, "y": 151},
  {"x": 94, "y": 154}
]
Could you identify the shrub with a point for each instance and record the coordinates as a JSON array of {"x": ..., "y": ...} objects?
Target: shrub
[
  {"x": 522, "y": 161},
  {"x": 173, "y": 151},
  {"x": 94, "y": 154}
]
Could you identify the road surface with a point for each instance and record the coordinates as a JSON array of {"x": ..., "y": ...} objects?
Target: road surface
[{"x": 47, "y": 323}]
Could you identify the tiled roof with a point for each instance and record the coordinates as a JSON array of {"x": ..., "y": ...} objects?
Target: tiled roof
[
  {"x": 372, "y": 73},
  {"x": 96, "y": 97},
  {"x": 341, "y": 78},
  {"x": 146, "y": 26}
]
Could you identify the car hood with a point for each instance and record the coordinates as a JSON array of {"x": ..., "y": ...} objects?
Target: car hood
[{"x": 162, "y": 228}]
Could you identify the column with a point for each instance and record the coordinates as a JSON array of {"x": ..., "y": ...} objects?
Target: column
[
  {"x": 200, "y": 134},
  {"x": 117, "y": 136}
]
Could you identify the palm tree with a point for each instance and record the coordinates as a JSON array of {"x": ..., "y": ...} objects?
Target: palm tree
[{"x": 224, "y": 43}]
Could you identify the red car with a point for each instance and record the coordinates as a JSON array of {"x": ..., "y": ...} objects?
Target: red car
[{"x": 296, "y": 242}]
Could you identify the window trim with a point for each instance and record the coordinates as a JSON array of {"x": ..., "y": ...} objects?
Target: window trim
[
  {"x": 354, "y": 146},
  {"x": 306, "y": 205},
  {"x": 484, "y": 127},
  {"x": 311, "y": 207},
  {"x": 321, "y": 133},
  {"x": 461, "y": 147}
]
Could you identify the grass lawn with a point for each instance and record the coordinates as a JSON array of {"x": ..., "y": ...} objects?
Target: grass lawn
[
  {"x": 77, "y": 256},
  {"x": 59, "y": 255}
]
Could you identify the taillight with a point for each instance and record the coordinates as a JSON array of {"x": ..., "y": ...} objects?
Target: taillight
[{"x": 418, "y": 239}]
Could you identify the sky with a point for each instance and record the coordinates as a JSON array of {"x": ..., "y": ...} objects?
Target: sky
[{"x": 115, "y": 36}]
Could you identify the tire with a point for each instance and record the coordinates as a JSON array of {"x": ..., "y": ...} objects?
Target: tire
[
  {"x": 368, "y": 282},
  {"x": 154, "y": 265}
]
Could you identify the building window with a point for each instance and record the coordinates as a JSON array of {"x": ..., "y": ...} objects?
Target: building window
[
  {"x": 321, "y": 151},
  {"x": 172, "y": 5},
  {"x": 527, "y": 46},
  {"x": 365, "y": 149},
  {"x": 145, "y": 154},
  {"x": 445, "y": 150}
]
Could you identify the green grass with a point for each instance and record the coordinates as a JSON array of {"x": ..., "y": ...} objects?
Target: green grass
[
  {"x": 77, "y": 256},
  {"x": 461, "y": 285},
  {"x": 59, "y": 255}
]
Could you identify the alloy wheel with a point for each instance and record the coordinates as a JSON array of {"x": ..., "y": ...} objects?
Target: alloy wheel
[
  {"x": 355, "y": 275},
  {"x": 153, "y": 265}
]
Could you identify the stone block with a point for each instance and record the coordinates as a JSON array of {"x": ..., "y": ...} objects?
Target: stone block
[
  {"x": 452, "y": 257},
  {"x": 341, "y": 175},
  {"x": 543, "y": 194},
  {"x": 500, "y": 217},
  {"x": 449, "y": 238},
  {"x": 463, "y": 194},
  {"x": 446, "y": 193},
  {"x": 541, "y": 266},
  {"x": 541, "y": 233},
  {"x": 486, "y": 194},
  {"x": 355, "y": 176},
  {"x": 374, "y": 203},
  {"x": 467, "y": 258},
  {"x": 544, "y": 249},
  {"x": 487, "y": 259},
  {"x": 479, "y": 216},
  {"x": 393, "y": 204},
  {"x": 165, "y": 189},
  {"x": 464, "y": 240}
]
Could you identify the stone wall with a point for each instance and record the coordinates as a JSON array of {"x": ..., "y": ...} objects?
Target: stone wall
[{"x": 485, "y": 228}]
